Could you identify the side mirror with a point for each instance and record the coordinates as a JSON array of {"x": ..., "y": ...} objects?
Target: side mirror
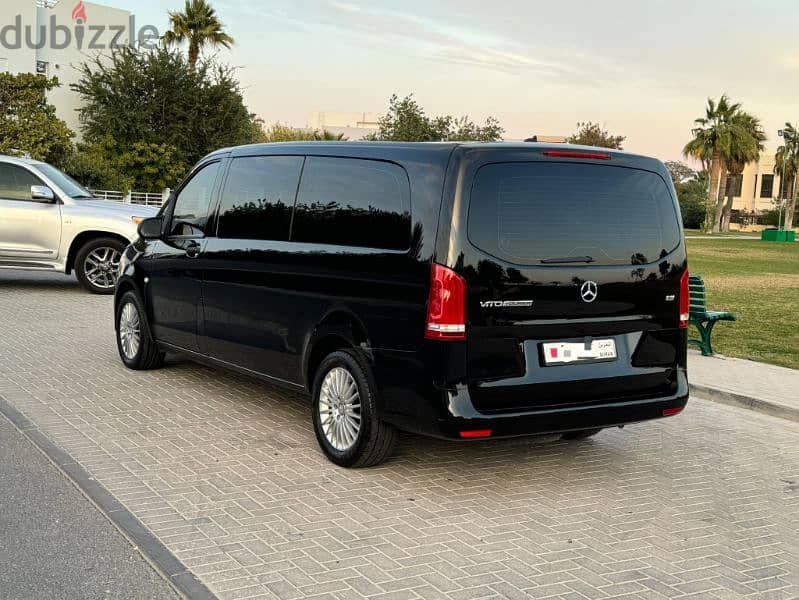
[
  {"x": 42, "y": 193},
  {"x": 150, "y": 229}
]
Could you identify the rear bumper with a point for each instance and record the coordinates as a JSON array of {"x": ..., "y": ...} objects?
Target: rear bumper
[
  {"x": 554, "y": 420},
  {"x": 415, "y": 404}
]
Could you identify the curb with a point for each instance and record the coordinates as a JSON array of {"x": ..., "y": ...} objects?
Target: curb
[
  {"x": 166, "y": 564},
  {"x": 755, "y": 404}
]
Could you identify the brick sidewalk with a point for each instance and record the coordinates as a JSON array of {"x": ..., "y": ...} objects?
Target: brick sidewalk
[{"x": 226, "y": 472}]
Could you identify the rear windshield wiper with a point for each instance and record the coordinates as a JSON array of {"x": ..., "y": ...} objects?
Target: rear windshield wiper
[{"x": 567, "y": 259}]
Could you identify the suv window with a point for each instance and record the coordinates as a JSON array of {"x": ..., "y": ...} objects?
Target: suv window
[
  {"x": 16, "y": 182},
  {"x": 193, "y": 201},
  {"x": 353, "y": 202},
  {"x": 528, "y": 212},
  {"x": 258, "y": 197}
]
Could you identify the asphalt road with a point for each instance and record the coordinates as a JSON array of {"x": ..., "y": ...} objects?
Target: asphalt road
[{"x": 54, "y": 543}]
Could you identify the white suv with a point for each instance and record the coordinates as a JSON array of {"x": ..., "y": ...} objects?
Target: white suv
[{"x": 50, "y": 222}]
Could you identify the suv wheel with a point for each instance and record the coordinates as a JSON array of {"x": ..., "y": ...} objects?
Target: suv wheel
[
  {"x": 97, "y": 264},
  {"x": 345, "y": 415},
  {"x": 582, "y": 434},
  {"x": 136, "y": 345}
]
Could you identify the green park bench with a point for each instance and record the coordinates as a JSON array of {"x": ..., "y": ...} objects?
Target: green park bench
[{"x": 701, "y": 317}]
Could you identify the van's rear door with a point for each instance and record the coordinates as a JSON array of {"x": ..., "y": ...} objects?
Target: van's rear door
[{"x": 573, "y": 270}]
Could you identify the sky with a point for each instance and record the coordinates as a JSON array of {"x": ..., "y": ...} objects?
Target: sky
[{"x": 641, "y": 68}]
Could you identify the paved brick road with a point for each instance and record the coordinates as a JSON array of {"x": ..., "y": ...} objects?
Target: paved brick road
[{"x": 226, "y": 472}]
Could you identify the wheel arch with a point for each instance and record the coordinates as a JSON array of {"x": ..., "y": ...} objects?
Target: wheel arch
[
  {"x": 83, "y": 238},
  {"x": 123, "y": 286},
  {"x": 339, "y": 329}
]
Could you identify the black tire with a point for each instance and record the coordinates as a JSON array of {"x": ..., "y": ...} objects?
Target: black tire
[
  {"x": 97, "y": 244},
  {"x": 582, "y": 434},
  {"x": 147, "y": 355},
  {"x": 375, "y": 439}
]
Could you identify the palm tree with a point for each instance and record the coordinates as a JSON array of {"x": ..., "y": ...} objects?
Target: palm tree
[
  {"x": 328, "y": 136},
  {"x": 741, "y": 155},
  {"x": 787, "y": 164},
  {"x": 199, "y": 26},
  {"x": 720, "y": 137}
]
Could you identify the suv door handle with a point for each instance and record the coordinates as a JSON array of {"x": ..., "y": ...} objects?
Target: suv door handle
[{"x": 192, "y": 249}]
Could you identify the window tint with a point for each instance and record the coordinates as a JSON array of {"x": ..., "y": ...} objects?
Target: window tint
[
  {"x": 193, "y": 201},
  {"x": 353, "y": 202},
  {"x": 16, "y": 182},
  {"x": 259, "y": 197},
  {"x": 527, "y": 212}
]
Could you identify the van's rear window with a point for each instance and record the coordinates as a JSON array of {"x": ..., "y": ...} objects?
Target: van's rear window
[{"x": 527, "y": 213}]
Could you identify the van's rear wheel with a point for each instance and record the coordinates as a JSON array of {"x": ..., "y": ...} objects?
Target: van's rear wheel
[
  {"x": 582, "y": 434},
  {"x": 345, "y": 414}
]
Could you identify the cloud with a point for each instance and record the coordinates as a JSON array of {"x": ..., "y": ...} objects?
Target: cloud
[{"x": 436, "y": 40}]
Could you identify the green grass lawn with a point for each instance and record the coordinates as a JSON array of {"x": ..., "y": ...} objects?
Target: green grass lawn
[{"x": 759, "y": 282}]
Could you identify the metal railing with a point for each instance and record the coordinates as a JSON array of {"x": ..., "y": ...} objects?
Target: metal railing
[{"x": 142, "y": 198}]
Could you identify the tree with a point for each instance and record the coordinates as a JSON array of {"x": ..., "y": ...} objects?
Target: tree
[
  {"x": 787, "y": 165},
  {"x": 591, "y": 134},
  {"x": 28, "y": 123},
  {"x": 692, "y": 195},
  {"x": 406, "y": 121},
  {"x": 199, "y": 26},
  {"x": 151, "y": 167},
  {"x": 679, "y": 172},
  {"x": 723, "y": 135},
  {"x": 157, "y": 97},
  {"x": 279, "y": 132},
  {"x": 95, "y": 167},
  {"x": 740, "y": 157}
]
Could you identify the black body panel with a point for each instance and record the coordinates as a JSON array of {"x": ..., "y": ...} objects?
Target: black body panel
[{"x": 272, "y": 307}]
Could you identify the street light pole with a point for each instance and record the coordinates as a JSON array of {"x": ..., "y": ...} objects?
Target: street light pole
[{"x": 781, "y": 133}]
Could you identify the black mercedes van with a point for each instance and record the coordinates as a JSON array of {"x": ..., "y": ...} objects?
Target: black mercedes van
[{"x": 464, "y": 291}]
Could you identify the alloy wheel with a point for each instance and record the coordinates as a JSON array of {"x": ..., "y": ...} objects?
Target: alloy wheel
[
  {"x": 129, "y": 330},
  {"x": 340, "y": 408},
  {"x": 101, "y": 267}
]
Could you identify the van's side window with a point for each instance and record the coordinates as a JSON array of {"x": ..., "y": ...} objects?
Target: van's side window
[
  {"x": 258, "y": 197},
  {"x": 193, "y": 202},
  {"x": 353, "y": 202}
]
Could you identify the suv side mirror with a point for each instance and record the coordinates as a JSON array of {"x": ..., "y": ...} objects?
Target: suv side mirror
[
  {"x": 150, "y": 229},
  {"x": 42, "y": 193}
]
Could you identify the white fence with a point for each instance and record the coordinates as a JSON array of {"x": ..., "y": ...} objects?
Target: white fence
[{"x": 145, "y": 198}]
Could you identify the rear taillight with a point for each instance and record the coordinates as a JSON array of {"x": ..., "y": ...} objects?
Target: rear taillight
[
  {"x": 685, "y": 300},
  {"x": 446, "y": 307}
]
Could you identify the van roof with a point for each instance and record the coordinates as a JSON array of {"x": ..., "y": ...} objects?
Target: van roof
[{"x": 437, "y": 151}]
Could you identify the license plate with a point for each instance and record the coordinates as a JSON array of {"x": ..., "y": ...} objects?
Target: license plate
[{"x": 560, "y": 353}]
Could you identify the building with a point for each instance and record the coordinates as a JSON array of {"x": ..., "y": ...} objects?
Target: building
[
  {"x": 757, "y": 187},
  {"x": 353, "y": 125},
  {"x": 54, "y": 38}
]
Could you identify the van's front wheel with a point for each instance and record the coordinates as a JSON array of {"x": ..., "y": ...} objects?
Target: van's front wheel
[{"x": 345, "y": 414}]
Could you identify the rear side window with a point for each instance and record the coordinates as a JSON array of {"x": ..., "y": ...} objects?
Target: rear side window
[
  {"x": 258, "y": 197},
  {"x": 528, "y": 212},
  {"x": 353, "y": 202}
]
